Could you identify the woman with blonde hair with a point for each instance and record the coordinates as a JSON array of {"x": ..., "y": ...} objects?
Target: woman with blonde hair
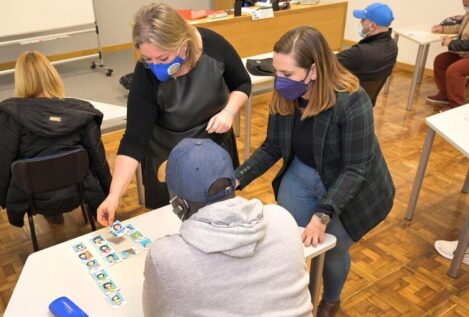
[
  {"x": 334, "y": 177},
  {"x": 189, "y": 82},
  {"x": 39, "y": 122},
  {"x": 36, "y": 77}
]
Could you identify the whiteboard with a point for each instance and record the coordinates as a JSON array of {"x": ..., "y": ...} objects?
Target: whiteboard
[{"x": 18, "y": 17}]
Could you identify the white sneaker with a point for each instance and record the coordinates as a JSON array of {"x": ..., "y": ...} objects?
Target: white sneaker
[{"x": 447, "y": 248}]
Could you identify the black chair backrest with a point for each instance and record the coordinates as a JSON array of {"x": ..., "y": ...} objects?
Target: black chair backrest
[
  {"x": 373, "y": 87},
  {"x": 52, "y": 172}
]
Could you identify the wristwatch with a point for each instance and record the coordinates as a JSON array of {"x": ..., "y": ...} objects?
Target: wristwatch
[{"x": 325, "y": 218}]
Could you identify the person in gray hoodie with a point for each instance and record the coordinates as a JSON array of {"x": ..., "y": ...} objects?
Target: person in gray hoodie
[{"x": 232, "y": 257}]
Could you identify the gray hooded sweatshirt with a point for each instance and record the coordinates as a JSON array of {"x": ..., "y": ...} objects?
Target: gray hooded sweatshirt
[{"x": 232, "y": 258}]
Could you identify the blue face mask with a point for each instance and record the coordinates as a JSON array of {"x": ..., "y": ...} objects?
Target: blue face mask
[
  {"x": 164, "y": 71},
  {"x": 290, "y": 89}
]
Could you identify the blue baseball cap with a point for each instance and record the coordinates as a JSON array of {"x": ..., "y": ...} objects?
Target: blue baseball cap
[
  {"x": 379, "y": 13},
  {"x": 194, "y": 165}
]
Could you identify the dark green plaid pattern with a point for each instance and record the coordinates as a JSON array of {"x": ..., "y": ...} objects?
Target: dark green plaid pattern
[{"x": 347, "y": 156}]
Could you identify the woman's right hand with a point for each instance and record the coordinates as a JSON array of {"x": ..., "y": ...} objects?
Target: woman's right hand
[
  {"x": 437, "y": 28},
  {"x": 107, "y": 210}
]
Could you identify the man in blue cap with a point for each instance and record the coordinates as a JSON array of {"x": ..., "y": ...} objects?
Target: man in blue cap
[
  {"x": 373, "y": 58},
  {"x": 232, "y": 256}
]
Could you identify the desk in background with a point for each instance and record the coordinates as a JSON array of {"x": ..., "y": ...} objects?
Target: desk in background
[
  {"x": 421, "y": 35},
  {"x": 222, "y": 4},
  {"x": 250, "y": 37},
  {"x": 56, "y": 271},
  {"x": 453, "y": 126}
]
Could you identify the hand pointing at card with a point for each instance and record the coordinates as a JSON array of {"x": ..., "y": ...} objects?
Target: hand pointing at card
[{"x": 107, "y": 211}]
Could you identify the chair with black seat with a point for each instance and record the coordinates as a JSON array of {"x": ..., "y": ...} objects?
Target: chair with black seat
[
  {"x": 50, "y": 173},
  {"x": 373, "y": 87}
]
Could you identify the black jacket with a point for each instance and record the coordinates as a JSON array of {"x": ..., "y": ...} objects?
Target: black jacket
[
  {"x": 460, "y": 44},
  {"x": 36, "y": 127},
  {"x": 372, "y": 58},
  {"x": 347, "y": 157}
]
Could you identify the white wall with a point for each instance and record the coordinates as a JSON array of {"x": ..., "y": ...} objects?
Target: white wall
[
  {"x": 113, "y": 16},
  {"x": 407, "y": 13}
]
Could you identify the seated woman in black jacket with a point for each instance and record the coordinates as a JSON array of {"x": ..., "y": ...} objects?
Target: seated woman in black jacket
[{"x": 40, "y": 121}]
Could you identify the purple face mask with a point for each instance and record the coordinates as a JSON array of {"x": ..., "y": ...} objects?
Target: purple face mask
[{"x": 290, "y": 89}]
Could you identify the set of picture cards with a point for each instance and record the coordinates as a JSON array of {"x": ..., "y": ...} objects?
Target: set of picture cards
[{"x": 98, "y": 273}]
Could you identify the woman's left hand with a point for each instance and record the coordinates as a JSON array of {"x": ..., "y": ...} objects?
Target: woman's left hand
[
  {"x": 220, "y": 123},
  {"x": 314, "y": 232},
  {"x": 446, "y": 40}
]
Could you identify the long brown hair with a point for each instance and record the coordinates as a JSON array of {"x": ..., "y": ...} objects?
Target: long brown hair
[
  {"x": 35, "y": 76},
  {"x": 308, "y": 46},
  {"x": 163, "y": 26}
]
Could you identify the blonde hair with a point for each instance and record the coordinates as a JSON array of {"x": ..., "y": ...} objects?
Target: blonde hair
[
  {"x": 163, "y": 26},
  {"x": 35, "y": 76},
  {"x": 308, "y": 46}
]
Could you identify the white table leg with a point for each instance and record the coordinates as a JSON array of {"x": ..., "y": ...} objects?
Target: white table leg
[
  {"x": 460, "y": 250},
  {"x": 465, "y": 188},
  {"x": 315, "y": 275},
  {"x": 423, "y": 62},
  {"x": 415, "y": 78},
  {"x": 386, "y": 84},
  {"x": 140, "y": 187},
  {"x": 247, "y": 137},
  {"x": 388, "y": 81},
  {"x": 427, "y": 147}
]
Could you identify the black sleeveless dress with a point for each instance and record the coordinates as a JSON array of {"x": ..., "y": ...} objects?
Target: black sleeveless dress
[{"x": 181, "y": 108}]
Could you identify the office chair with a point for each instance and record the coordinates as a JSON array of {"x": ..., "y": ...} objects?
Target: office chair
[
  {"x": 50, "y": 173},
  {"x": 373, "y": 87}
]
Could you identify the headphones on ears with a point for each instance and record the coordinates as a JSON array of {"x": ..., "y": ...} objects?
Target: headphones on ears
[{"x": 180, "y": 207}]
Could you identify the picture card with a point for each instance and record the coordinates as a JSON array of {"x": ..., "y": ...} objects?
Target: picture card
[
  {"x": 98, "y": 240},
  {"x": 116, "y": 299},
  {"x": 100, "y": 276},
  {"x": 108, "y": 287},
  {"x": 127, "y": 253},
  {"x": 117, "y": 228},
  {"x": 93, "y": 264},
  {"x": 112, "y": 258},
  {"x": 79, "y": 247}
]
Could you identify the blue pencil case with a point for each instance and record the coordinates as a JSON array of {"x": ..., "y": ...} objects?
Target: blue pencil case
[{"x": 64, "y": 307}]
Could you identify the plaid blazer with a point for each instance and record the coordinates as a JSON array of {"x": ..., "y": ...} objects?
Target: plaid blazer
[{"x": 347, "y": 156}]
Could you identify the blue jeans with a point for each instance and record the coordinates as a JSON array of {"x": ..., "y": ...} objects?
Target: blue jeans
[{"x": 300, "y": 190}]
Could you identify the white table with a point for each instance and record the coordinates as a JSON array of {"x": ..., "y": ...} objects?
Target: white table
[
  {"x": 56, "y": 271},
  {"x": 421, "y": 35},
  {"x": 114, "y": 118},
  {"x": 260, "y": 85},
  {"x": 317, "y": 256},
  {"x": 453, "y": 126}
]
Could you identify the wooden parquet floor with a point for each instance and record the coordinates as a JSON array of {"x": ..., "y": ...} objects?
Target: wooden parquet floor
[{"x": 395, "y": 269}]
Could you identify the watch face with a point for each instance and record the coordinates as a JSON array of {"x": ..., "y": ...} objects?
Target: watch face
[{"x": 325, "y": 218}]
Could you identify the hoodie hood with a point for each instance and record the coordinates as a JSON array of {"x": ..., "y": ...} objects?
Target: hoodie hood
[
  {"x": 233, "y": 227},
  {"x": 48, "y": 117}
]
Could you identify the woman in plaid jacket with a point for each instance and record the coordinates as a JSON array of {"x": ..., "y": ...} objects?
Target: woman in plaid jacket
[{"x": 334, "y": 177}]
